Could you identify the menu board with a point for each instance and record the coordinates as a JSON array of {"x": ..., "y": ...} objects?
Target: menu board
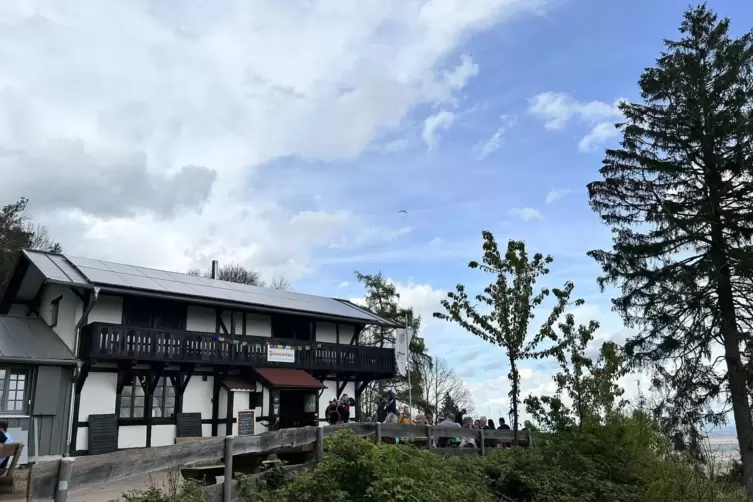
[{"x": 246, "y": 422}]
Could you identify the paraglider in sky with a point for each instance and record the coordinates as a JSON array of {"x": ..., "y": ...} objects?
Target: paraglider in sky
[{"x": 402, "y": 212}]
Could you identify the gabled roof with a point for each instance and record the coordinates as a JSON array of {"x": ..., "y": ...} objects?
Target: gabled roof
[
  {"x": 85, "y": 273},
  {"x": 24, "y": 339}
]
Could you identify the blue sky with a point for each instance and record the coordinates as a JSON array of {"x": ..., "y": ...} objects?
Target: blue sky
[{"x": 288, "y": 136}]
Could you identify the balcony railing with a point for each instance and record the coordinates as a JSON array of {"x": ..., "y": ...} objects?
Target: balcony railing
[{"x": 103, "y": 341}]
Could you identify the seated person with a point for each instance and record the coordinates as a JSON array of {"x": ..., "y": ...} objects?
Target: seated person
[
  {"x": 4, "y": 438},
  {"x": 449, "y": 422}
]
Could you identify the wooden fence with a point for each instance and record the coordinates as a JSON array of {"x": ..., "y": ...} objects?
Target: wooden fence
[{"x": 54, "y": 480}]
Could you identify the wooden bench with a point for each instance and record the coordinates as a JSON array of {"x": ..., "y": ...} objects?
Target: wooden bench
[{"x": 9, "y": 450}]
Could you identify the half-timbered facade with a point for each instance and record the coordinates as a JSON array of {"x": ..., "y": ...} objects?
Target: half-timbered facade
[{"x": 162, "y": 354}]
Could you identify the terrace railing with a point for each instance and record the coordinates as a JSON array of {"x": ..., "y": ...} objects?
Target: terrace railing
[{"x": 104, "y": 341}]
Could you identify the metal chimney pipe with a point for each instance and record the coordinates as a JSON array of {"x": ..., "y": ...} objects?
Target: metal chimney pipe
[{"x": 215, "y": 269}]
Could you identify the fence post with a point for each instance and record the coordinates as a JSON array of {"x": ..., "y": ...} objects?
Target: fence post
[
  {"x": 378, "y": 433},
  {"x": 481, "y": 444},
  {"x": 64, "y": 477},
  {"x": 319, "y": 444},
  {"x": 227, "y": 488},
  {"x": 428, "y": 437}
]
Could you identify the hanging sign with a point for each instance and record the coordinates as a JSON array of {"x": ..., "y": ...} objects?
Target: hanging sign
[{"x": 280, "y": 354}]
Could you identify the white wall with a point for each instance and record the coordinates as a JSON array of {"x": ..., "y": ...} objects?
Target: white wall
[
  {"x": 97, "y": 398},
  {"x": 69, "y": 311},
  {"x": 133, "y": 436},
  {"x": 109, "y": 308},
  {"x": 258, "y": 325},
  {"x": 197, "y": 397},
  {"x": 201, "y": 319},
  {"x": 327, "y": 332},
  {"x": 162, "y": 435},
  {"x": 98, "y": 395}
]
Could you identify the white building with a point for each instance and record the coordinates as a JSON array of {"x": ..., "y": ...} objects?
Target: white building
[{"x": 162, "y": 354}]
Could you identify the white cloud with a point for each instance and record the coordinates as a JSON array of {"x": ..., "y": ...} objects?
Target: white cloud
[
  {"x": 526, "y": 213},
  {"x": 557, "y": 109},
  {"x": 556, "y": 194},
  {"x": 494, "y": 143},
  {"x": 138, "y": 126},
  {"x": 433, "y": 125},
  {"x": 344, "y": 284}
]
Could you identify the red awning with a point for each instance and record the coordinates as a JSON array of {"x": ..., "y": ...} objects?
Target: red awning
[
  {"x": 288, "y": 378},
  {"x": 238, "y": 385}
]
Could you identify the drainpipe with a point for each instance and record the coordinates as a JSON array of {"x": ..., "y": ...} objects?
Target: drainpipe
[
  {"x": 215, "y": 269},
  {"x": 77, "y": 372}
]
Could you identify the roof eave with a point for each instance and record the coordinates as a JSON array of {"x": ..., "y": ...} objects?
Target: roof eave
[{"x": 104, "y": 288}]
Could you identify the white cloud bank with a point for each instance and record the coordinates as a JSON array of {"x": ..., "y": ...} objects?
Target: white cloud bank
[
  {"x": 557, "y": 109},
  {"x": 135, "y": 127}
]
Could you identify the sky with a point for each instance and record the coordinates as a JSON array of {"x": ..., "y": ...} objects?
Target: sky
[{"x": 288, "y": 137}]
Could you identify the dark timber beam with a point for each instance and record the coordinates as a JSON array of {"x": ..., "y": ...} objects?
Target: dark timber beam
[
  {"x": 180, "y": 383},
  {"x": 341, "y": 387},
  {"x": 77, "y": 388},
  {"x": 219, "y": 323},
  {"x": 217, "y": 380},
  {"x": 356, "y": 333},
  {"x": 229, "y": 412},
  {"x": 125, "y": 377}
]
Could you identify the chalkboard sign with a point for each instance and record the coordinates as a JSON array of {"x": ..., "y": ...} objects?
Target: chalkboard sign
[{"x": 246, "y": 422}]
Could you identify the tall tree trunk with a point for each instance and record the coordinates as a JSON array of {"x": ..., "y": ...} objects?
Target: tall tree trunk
[
  {"x": 737, "y": 378},
  {"x": 514, "y": 404}
]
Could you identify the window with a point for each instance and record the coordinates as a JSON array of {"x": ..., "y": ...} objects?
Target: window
[
  {"x": 133, "y": 400},
  {"x": 55, "y": 311},
  {"x": 152, "y": 313},
  {"x": 13, "y": 390},
  {"x": 293, "y": 327}
]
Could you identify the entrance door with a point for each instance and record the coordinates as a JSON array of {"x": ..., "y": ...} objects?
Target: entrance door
[{"x": 293, "y": 409}]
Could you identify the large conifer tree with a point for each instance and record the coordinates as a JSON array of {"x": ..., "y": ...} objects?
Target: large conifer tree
[{"x": 677, "y": 194}]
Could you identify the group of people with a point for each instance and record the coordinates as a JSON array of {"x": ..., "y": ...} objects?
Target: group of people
[{"x": 338, "y": 410}]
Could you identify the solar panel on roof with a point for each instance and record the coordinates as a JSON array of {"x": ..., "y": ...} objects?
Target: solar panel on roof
[{"x": 115, "y": 274}]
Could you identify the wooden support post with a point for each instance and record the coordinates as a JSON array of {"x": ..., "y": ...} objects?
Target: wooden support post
[
  {"x": 378, "y": 433},
  {"x": 481, "y": 444},
  {"x": 64, "y": 477},
  {"x": 319, "y": 444},
  {"x": 428, "y": 437},
  {"x": 227, "y": 488}
]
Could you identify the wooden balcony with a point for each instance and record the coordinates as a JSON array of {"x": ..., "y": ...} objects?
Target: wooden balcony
[{"x": 113, "y": 342}]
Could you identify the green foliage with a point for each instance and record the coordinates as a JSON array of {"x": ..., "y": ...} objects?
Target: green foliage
[
  {"x": 503, "y": 312},
  {"x": 673, "y": 194},
  {"x": 590, "y": 385},
  {"x": 382, "y": 298},
  {"x": 625, "y": 459},
  {"x": 174, "y": 489},
  {"x": 357, "y": 470}
]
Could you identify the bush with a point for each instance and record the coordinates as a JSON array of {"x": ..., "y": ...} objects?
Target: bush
[{"x": 624, "y": 460}]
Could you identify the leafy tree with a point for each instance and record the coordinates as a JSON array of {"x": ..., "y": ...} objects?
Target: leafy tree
[
  {"x": 381, "y": 298},
  {"x": 18, "y": 232},
  {"x": 676, "y": 194},
  {"x": 503, "y": 312},
  {"x": 591, "y": 386},
  {"x": 242, "y": 275}
]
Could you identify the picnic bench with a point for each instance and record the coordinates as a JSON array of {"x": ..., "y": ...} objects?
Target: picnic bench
[{"x": 9, "y": 450}]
